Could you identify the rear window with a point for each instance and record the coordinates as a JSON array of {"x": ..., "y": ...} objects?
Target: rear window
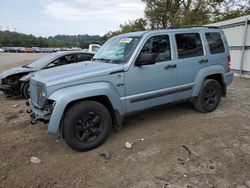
[
  {"x": 215, "y": 43},
  {"x": 189, "y": 45},
  {"x": 84, "y": 57}
]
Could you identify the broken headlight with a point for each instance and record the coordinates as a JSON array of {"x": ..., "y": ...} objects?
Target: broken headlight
[{"x": 41, "y": 95}]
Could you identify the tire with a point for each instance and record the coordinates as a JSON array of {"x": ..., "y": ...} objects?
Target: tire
[
  {"x": 86, "y": 125},
  {"x": 209, "y": 96},
  {"x": 26, "y": 90}
]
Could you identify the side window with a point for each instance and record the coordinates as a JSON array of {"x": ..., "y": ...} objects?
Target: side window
[
  {"x": 69, "y": 58},
  {"x": 215, "y": 43},
  {"x": 159, "y": 47},
  {"x": 189, "y": 45},
  {"x": 84, "y": 57}
]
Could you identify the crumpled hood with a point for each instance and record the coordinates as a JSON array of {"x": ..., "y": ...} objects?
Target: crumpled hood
[
  {"x": 75, "y": 72},
  {"x": 14, "y": 71}
]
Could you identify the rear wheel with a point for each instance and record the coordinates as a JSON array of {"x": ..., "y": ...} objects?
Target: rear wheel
[
  {"x": 209, "y": 96},
  {"x": 86, "y": 125},
  {"x": 26, "y": 90}
]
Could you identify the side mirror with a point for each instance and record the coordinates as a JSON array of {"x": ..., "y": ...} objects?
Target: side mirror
[{"x": 145, "y": 59}]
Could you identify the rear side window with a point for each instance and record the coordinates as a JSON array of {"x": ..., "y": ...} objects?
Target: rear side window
[
  {"x": 215, "y": 43},
  {"x": 189, "y": 45},
  {"x": 84, "y": 57}
]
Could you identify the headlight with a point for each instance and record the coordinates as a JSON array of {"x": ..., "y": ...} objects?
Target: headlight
[{"x": 41, "y": 95}]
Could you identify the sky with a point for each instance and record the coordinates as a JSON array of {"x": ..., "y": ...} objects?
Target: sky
[{"x": 51, "y": 17}]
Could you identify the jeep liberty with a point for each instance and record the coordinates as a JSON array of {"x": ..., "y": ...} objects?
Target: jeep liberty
[{"x": 131, "y": 72}]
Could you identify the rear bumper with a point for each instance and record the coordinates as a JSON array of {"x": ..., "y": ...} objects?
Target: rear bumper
[{"x": 228, "y": 78}]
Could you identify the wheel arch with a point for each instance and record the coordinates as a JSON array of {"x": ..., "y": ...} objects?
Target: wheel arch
[
  {"x": 101, "y": 92},
  {"x": 219, "y": 78},
  {"x": 117, "y": 118},
  {"x": 215, "y": 72}
]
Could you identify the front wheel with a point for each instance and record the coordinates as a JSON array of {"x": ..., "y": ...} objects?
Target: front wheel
[
  {"x": 86, "y": 125},
  {"x": 26, "y": 90},
  {"x": 209, "y": 96}
]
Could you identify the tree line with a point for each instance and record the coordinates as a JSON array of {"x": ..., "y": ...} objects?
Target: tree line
[
  {"x": 158, "y": 14},
  {"x": 161, "y": 14},
  {"x": 15, "y": 39}
]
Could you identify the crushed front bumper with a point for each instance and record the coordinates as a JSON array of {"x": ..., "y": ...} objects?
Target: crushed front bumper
[
  {"x": 38, "y": 114},
  {"x": 5, "y": 87}
]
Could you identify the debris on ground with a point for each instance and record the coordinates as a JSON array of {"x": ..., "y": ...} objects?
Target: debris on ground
[
  {"x": 20, "y": 111},
  {"x": 16, "y": 105},
  {"x": 128, "y": 145},
  {"x": 190, "y": 152},
  {"x": 141, "y": 139},
  {"x": 35, "y": 160},
  {"x": 106, "y": 155},
  {"x": 28, "y": 111}
]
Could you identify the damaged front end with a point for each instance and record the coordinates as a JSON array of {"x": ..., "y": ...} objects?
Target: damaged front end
[
  {"x": 10, "y": 86},
  {"x": 40, "y": 114},
  {"x": 41, "y": 107}
]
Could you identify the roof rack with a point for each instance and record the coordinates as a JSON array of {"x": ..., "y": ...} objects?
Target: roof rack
[{"x": 184, "y": 27}]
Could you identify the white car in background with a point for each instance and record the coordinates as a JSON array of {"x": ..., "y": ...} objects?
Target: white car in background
[{"x": 1, "y": 50}]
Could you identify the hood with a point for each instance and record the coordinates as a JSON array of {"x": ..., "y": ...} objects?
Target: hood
[
  {"x": 75, "y": 72},
  {"x": 14, "y": 71}
]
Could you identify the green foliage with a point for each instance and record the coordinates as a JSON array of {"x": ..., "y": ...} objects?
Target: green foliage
[
  {"x": 158, "y": 14},
  {"x": 170, "y": 13},
  {"x": 14, "y": 39},
  {"x": 130, "y": 26}
]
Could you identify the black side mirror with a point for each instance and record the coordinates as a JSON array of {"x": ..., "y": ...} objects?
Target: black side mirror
[{"x": 145, "y": 59}]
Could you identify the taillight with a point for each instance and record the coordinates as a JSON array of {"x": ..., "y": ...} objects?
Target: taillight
[{"x": 228, "y": 63}]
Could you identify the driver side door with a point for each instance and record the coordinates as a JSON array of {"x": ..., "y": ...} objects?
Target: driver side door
[{"x": 151, "y": 83}]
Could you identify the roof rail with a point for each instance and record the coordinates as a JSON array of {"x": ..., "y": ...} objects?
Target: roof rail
[{"x": 184, "y": 27}]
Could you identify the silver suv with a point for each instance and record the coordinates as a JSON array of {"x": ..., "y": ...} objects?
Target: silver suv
[{"x": 131, "y": 72}]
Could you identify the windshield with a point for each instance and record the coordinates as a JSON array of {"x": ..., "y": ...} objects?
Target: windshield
[
  {"x": 117, "y": 50},
  {"x": 42, "y": 61}
]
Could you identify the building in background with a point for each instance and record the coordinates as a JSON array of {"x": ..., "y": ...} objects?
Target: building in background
[{"x": 237, "y": 31}]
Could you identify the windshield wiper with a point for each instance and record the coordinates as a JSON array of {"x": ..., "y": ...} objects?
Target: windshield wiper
[
  {"x": 27, "y": 66},
  {"x": 102, "y": 59}
]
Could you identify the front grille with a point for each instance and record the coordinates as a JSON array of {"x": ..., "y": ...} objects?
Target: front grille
[{"x": 33, "y": 92}]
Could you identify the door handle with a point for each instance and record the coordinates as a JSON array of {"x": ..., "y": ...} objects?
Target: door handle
[
  {"x": 203, "y": 61},
  {"x": 171, "y": 66}
]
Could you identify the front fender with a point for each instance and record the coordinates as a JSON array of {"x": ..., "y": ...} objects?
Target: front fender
[
  {"x": 64, "y": 96},
  {"x": 203, "y": 73},
  {"x": 27, "y": 77}
]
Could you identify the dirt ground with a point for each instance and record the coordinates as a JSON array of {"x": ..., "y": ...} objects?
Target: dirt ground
[{"x": 173, "y": 147}]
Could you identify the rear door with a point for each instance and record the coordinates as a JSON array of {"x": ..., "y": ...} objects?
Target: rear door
[{"x": 191, "y": 57}]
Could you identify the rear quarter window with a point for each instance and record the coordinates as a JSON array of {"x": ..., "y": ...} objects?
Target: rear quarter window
[
  {"x": 215, "y": 43},
  {"x": 189, "y": 45},
  {"x": 84, "y": 57}
]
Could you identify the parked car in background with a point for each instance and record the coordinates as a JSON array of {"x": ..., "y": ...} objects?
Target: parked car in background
[
  {"x": 1, "y": 50},
  {"x": 36, "y": 49},
  {"x": 129, "y": 73},
  {"x": 28, "y": 50},
  {"x": 93, "y": 48},
  {"x": 15, "y": 81}
]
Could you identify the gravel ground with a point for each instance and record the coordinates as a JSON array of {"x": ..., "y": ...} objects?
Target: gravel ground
[{"x": 173, "y": 147}]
